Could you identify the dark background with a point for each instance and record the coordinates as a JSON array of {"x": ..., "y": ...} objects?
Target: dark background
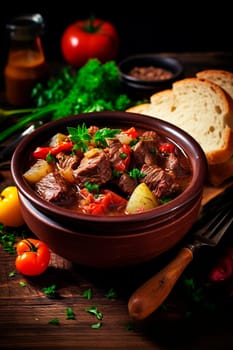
[{"x": 147, "y": 26}]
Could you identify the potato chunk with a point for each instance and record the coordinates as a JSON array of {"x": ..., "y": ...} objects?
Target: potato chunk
[
  {"x": 141, "y": 199},
  {"x": 37, "y": 171}
]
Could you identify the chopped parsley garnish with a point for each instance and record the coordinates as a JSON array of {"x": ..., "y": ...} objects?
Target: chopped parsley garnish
[
  {"x": 91, "y": 187},
  {"x": 50, "y": 291},
  {"x": 135, "y": 173},
  {"x": 110, "y": 294},
  {"x": 54, "y": 321},
  {"x": 93, "y": 310},
  {"x": 87, "y": 293},
  {"x": 22, "y": 284},
  {"x": 70, "y": 315}
]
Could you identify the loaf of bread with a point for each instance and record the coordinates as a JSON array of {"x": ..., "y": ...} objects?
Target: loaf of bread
[{"x": 201, "y": 108}]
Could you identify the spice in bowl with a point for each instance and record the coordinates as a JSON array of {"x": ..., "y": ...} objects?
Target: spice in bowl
[{"x": 150, "y": 73}]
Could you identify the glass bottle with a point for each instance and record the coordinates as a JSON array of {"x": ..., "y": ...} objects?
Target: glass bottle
[{"x": 26, "y": 64}]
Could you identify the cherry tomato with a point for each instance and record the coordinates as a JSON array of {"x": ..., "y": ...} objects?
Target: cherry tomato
[
  {"x": 90, "y": 38},
  {"x": 10, "y": 212},
  {"x": 33, "y": 257}
]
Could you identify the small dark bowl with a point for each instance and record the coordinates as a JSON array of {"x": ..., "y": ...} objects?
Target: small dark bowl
[
  {"x": 138, "y": 88},
  {"x": 110, "y": 241}
]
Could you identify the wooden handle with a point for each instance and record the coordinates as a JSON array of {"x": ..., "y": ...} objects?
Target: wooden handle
[{"x": 152, "y": 293}]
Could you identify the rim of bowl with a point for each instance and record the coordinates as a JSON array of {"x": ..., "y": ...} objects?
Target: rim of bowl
[
  {"x": 184, "y": 141},
  {"x": 166, "y": 62}
]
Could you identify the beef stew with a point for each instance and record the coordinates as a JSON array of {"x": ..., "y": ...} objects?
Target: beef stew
[{"x": 95, "y": 171}]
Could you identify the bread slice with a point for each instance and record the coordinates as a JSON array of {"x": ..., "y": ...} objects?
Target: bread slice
[
  {"x": 202, "y": 109},
  {"x": 220, "y": 173},
  {"x": 138, "y": 108},
  {"x": 222, "y": 78}
]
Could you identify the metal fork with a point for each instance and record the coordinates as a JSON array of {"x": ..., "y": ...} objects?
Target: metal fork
[{"x": 208, "y": 231}]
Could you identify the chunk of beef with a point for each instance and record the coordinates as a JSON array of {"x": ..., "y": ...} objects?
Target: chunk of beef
[
  {"x": 179, "y": 166},
  {"x": 144, "y": 152},
  {"x": 162, "y": 184},
  {"x": 127, "y": 184},
  {"x": 114, "y": 151},
  {"x": 96, "y": 169},
  {"x": 67, "y": 161},
  {"x": 53, "y": 188}
]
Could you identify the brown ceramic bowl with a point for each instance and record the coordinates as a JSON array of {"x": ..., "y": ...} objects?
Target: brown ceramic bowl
[
  {"x": 163, "y": 71},
  {"x": 113, "y": 241}
]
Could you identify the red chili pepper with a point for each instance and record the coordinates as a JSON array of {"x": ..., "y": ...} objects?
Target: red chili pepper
[
  {"x": 167, "y": 148},
  {"x": 125, "y": 155},
  {"x": 42, "y": 152}
]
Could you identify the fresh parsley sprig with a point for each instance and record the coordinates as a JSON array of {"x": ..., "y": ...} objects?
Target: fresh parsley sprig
[
  {"x": 105, "y": 133},
  {"x": 80, "y": 136}
]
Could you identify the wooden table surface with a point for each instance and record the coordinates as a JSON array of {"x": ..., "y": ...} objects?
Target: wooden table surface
[{"x": 185, "y": 322}]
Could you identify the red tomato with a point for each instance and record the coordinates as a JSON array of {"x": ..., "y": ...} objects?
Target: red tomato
[
  {"x": 90, "y": 38},
  {"x": 33, "y": 257}
]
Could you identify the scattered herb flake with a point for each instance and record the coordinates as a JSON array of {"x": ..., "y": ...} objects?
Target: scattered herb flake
[
  {"x": 22, "y": 284},
  {"x": 50, "y": 291},
  {"x": 54, "y": 321},
  {"x": 96, "y": 325},
  {"x": 111, "y": 294},
  {"x": 9, "y": 236},
  {"x": 12, "y": 274},
  {"x": 87, "y": 293},
  {"x": 91, "y": 187},
  {"x": 70, "y": 315},
  {"x": 135, "y": 173},
  {"x": 93, "y": 310}
]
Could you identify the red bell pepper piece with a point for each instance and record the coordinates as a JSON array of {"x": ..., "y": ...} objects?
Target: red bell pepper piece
[
  {"x": 106, "y": 201},
  {"x": 125, "y": 155},
  {"x": 131, "y": 132},
  {"x": 42, "y": 152},
  {"x": 167, "y": 148}
]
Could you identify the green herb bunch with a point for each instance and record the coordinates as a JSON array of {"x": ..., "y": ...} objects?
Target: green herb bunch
[{"x": 94, "y": 87}]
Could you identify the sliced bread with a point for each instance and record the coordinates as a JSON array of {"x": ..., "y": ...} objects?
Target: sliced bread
[
  {"x": 220, "y": 77},
  {"x": 220, "y": 173},
  {"x": 201, "y": 108}
]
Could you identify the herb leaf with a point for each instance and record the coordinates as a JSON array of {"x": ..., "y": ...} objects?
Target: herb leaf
[
  {"x": 50, "y": 291},
  {"x": 87, "y": 293},
  {"x": 70, "y": 315},
  {"x": 80, "y": 136},
  {"x": 105, "y": 133},
  {"x": 54, "y": 321},
  {"x": 111, "y": 293},
  {"x": 93, "y": 310}
]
